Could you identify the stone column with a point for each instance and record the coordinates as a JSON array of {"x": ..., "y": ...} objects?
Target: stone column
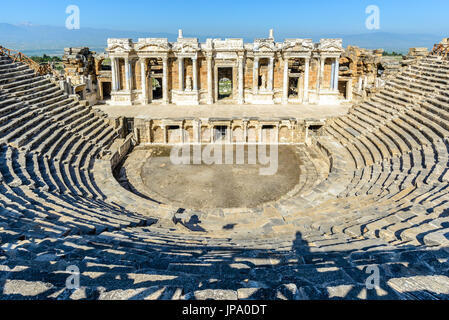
[
  {"x": 286, "y": 82},
  {"x": 114, "y": 74},
  {"x": 128, "y": 75},
  {"x": 306, "y": 80},
  {"x": 245, "y": 131},
  {"x": 165, "y": 80},
  {"x": 210, "y": 90},
  {"x": 271, "y": 74},
  {"x": 181, "y": 73},
  {"x": 241, "y": 82},
  {"x": 322, "y": 61},
  {"x": 349, "y": 90},
  {"x": 164, "y": 131},
  {"x": 143, "y": 80},
  {"x": 196, "y": 131},
  {"x": 337, "y": 73},
  {"x": 195, "y": 73},
  {"x": 256, "y": 76},
  {"x": 131, "y": 76},
  {"x": 119, "y": 75},
  {"x": 212, "y": 134},
  {"x": 332, "y": 82},
  {"x": 276, "y": 134},
  {"x": 182, "y": 136},
  {"x": 320, "y": 76}
]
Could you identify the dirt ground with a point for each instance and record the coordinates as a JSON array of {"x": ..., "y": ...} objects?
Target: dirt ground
[{"x": 203, "y": 186}]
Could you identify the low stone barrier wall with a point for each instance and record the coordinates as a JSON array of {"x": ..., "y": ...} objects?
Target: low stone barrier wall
[
  {"x": 325, "y": 152},
  {"x": 232, "y": 131},
  {"x": 120, "y": 149}
]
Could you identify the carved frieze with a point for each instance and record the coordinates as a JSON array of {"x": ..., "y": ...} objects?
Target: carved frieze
[
  {"x": 331, "y": 45},
  {"x": 153, "y": 45},
  {"x": 192, "y": 46},
  {"x": 120, "y": 45},
  {"x": 297, "y": 45},
  {"x": 264, "y": 45},
  {"x": 186, "y": 45}
]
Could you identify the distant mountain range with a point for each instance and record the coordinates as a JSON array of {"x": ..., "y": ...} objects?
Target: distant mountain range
[{"x": 37, "y": 40}]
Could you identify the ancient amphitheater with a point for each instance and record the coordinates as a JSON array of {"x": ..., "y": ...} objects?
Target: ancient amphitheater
[{"x": 373, "y": 192}]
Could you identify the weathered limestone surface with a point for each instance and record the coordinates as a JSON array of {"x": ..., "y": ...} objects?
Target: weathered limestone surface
[
  {"x": 383, "y": 203},
  {"x": 187, "y": 72}
]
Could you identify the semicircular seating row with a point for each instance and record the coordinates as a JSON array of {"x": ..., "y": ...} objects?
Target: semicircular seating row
[
  {"x": 48, "y": 144},
  {"x": 388, "y": 186},
  {"x": 396, "y": 143}
]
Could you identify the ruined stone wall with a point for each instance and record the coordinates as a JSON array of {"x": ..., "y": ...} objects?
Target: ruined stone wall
[
  {"x": 157, "y": 131},
  {"x": 80, "y": 73},
  {"x": 79, "y": 63},
  {"x": 367, "y": 70}
]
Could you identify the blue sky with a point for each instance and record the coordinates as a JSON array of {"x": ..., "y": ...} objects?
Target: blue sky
[{"x": 237, "y": 17}]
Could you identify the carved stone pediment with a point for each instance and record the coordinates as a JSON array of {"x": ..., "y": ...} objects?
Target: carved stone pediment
[
  {"x": 297, "y": 45},
  {"x": 331, "y": 45},
  {"x": 264, "y": 45},
  {"x": 186, "y": 45},
  {"x": 120, "y": 45},
  {"x": 153, "y": 44}
]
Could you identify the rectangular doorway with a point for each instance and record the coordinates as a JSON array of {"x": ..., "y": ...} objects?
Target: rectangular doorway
[
  {"x": 225, "y": 84},
  {"x": 129, "y": 125},
  {"x": 156, "y": 87},
  {"x": 220, "y": 133},
  {"x": 107, "y": 88}
]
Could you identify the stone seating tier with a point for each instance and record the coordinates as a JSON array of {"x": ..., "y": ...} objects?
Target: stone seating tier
[{"x": 383, "y": 202}]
